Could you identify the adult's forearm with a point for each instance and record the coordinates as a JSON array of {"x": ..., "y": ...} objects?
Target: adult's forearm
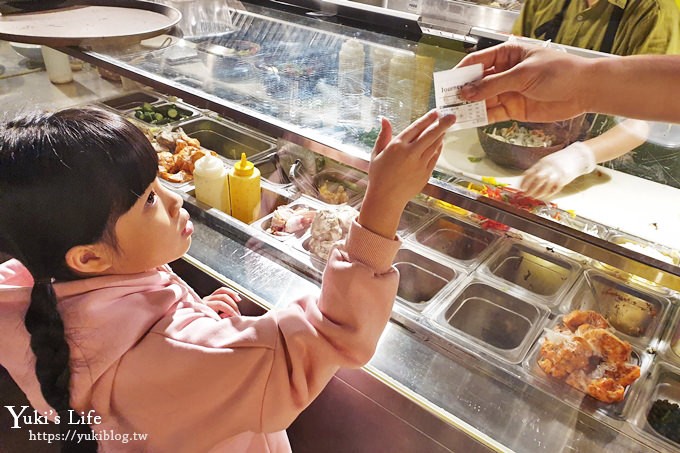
[{"x": 640, "y": 87}]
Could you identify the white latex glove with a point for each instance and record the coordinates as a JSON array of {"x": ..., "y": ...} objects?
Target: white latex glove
[{"x": 554, "y": 171}]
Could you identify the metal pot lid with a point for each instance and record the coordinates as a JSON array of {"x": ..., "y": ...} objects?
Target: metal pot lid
[{"x": 74, "y": 22}]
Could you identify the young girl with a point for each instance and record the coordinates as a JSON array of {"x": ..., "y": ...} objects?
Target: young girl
[{"x": 93, "y": 322}]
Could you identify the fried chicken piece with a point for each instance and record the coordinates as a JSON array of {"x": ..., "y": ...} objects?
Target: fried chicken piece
[
  {"x": 579, "y": 317},
  {"x": 605, "y": 344},
  {"x": 589, "y": 357},
  {"x": 561, "y": 359}
]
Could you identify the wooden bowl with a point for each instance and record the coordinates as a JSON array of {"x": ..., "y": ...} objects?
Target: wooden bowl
[{"x": 517, "y": 156}]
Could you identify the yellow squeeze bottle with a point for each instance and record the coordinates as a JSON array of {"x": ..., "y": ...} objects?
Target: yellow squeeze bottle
[{"x": 244, "y": 190}]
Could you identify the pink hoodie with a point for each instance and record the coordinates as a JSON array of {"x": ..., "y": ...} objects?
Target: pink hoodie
[{"x": 149, "y": 357}]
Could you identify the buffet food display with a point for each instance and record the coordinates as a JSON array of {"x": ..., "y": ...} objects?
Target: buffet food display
[
  {"x": 573, "y": 329},
  {"x": 539, "y": 319}
]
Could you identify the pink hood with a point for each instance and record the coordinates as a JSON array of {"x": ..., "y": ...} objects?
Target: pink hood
[{"x": 151, "y": 358}]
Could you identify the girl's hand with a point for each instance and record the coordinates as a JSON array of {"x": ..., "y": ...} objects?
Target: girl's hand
[
  {"x": 224, "y": 302},
  {"x": 400, "y": 167}
]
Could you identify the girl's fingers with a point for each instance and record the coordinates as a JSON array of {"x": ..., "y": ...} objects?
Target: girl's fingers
[
  {"x": 384, "y": 136},
  {"x": 230, "y": 292},
  {"x": 435, "y": 157},
  {"x": 222, "y": 299},
  {"x": 225, "y": 310},
  {"x": 417, "y": 127}
]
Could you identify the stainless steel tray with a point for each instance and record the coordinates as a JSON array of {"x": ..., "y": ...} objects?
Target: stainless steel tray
[
  {"x": 637, "y": 315},
  {"x": 264, "y": 223},
  {"x": 481, "y": 315},
  {"x": 457, "y": 240},
  {"x": 421, "y": 278},
  {"x": 542, "y": 271},
  {"x": 131, "y": 100},
  {"x": 579, "y": 400},
  {"x": 663, "y": 384},
  {"x": 226, "y": 139}
]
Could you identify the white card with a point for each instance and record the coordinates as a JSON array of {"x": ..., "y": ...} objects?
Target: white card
[{"x": 447, "y": 84}]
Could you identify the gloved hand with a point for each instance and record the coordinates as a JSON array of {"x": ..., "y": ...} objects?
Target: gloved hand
[{"x": 554, "y": 171}]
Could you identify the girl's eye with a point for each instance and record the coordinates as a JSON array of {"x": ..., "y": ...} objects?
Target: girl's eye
[{"x": 151, "y": 199}]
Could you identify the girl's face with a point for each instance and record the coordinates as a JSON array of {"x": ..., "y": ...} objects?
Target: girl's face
[{"x": 155, "y": 231}]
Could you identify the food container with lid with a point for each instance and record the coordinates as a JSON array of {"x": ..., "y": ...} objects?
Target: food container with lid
[
  {"x": 421, "y": 278},
  {"x": 558, "y": 388},
  {"x": 539, "y": 270},
  {"x": 637, "y": 315},
  {"x": 455, "y": 239},
  {"x": 656, "y": 414},
  {"x": 483, "y": 316}
]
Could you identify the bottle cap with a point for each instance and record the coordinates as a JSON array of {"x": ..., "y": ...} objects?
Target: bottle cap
[
  {"x": 209, "y": 166},
  {"x": 243, "y": 167}
]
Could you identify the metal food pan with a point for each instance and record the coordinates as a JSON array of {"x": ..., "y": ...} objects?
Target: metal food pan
[
  {"x": 272, "y": 170},
  {"x": 265, "y": 222},
  {"x": 568, "y": 219},
  {"x": 414, "y": 215},
  {"x": 543, "y": 272},
  {"x": 636, "y": 315},
  {"x": 131, "y": 100},
  {"x": 456, "y": 239},
  {"x": 639, "y": 245},
  {"x": 303, "y": 245},
  {"x": 564, "y": 392},
  {"x": 421, "y": 278},
  {"x": 490, "y": 318},
  {"x": 270, "y": 200},
  {"x": 670, "y": 346},
  {"x": 353, "y": 183},
  {"x": 227, "y": 140},
  {"x": 662, "y": 385}
]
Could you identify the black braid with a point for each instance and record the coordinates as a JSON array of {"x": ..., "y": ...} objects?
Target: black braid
[{"x": 52, "y": 363}]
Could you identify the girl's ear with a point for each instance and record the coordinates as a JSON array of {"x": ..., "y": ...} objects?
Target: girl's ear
[{"x": 89, "y": 259}]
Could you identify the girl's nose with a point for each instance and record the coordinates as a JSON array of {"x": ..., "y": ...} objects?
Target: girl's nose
[{"x": 173, "y": 202}]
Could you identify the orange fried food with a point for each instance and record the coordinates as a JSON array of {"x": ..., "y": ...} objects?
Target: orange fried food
[
  {"x": 579, "y": 317},
  {"x": 560, "y": 360},
  {"x": 589, "y": 357},
  {"x": 606, "y": 344}
]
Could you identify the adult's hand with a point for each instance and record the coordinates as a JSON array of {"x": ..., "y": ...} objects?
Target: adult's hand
[{"x": 528, "y": 83}]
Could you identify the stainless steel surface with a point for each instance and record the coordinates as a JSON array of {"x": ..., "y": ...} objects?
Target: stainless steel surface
[{"x": 227, "y": 140}]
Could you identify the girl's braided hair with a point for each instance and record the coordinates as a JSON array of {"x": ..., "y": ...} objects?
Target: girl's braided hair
[{"x": 65, "y": 179}]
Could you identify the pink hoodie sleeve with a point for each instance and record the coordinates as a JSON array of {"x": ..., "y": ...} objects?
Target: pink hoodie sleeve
[{"x": 218, "y": 378}]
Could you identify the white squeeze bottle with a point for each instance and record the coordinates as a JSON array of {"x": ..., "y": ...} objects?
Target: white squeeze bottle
[
  {"x": 245, "y": 191},
  {"x": 211, "y": 182},
  {"x": 351, "y": 81}
]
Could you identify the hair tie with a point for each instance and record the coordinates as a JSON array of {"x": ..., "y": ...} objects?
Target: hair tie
[{"x": 44, "y": 281}]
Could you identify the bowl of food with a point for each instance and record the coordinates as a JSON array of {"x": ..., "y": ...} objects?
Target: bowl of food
[{"x": 520, "y": 145}]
